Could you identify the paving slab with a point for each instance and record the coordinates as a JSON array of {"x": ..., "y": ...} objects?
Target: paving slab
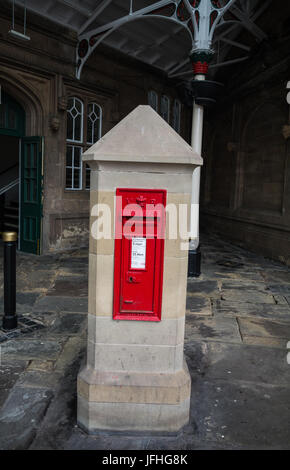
[
  {"x": 241, "y": 295},
  {"x": 196, "y": 286},
  {"x": 48, "y": 380},
  {"x": 212, "y": 272},
  {"x": 264, "y": 328},
  {"x": 215, "y": 360},
  {"x": 283, "y": 289},
  {"x": 30, "y": 349},
  {"x": 72, "y": 287},
  {"x": 24, "y": 301},
  {"x": 245, "y": 285},
  {"x": 21, "y": 415},
  {"x": 250, "y": 415},
  {"x": 255, "y": 310},
  {"x": 61, "y": 304},
  {"x": 10, "y": 371},
  {"x": 68, "y": 324},
  {"x": 222, "y": 329},
  {"x": 44, "y": 366},
  {"x": 81, "y": 441},
  {"x": 268, "y": 342},
  {"x": 75, "y": 263},
  {"x": 274, "y": 276},
  {"x": 38, "y": 279},
  {"x": 76, "y": 272},
  {"x": 199, "y": 305}
]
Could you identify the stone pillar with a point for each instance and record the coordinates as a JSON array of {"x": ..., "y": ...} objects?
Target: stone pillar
[{"x": 136, "y": 378}]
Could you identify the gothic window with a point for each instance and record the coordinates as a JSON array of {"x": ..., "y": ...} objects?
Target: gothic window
[
  {"x": 176, "y": 116},
  {"x": 153, "y": 100},
  {"x": 165, "y": 108},
  {"x": 94, "y": 123},
  {"x": 75, "y": 113},
  {"x": 84, "y": 128}
]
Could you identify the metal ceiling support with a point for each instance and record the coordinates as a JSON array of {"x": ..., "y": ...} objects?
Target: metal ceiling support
[
  {"x": 75, "y": 7},
  {"x": 249, "y": 24},
  {"x": 228, "y": 62},
  {"x": 100, "y": 8},
  {"x": 236, "y": 44}
]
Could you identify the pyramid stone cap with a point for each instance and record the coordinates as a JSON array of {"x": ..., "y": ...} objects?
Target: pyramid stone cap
[{"x": 143, "y": 136}]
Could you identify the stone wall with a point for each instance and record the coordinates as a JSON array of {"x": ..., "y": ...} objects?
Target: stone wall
[{"x": 246, "y": 177}]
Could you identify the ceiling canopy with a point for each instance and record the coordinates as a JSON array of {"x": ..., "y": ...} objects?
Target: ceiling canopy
[{"x": 158, "y": 33}]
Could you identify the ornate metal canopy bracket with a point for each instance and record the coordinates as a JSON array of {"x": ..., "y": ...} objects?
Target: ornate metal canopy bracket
[{"x": 198, "y": 17}]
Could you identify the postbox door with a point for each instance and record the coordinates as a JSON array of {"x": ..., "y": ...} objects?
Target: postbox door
[
  {"x": 139, "y": 264},
  {"x": 137, "y": 283}
]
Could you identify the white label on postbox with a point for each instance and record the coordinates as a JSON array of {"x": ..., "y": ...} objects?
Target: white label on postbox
[{"x": 138, "y": 255}]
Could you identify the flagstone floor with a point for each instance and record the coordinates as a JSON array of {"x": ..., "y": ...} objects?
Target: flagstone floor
[{"x": 237, "y": 329}]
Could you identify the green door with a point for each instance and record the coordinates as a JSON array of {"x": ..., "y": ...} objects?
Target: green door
[{"x": 31, "y": 194}]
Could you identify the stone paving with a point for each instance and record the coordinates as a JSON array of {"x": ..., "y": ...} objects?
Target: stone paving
[{"x": 237, "y": 328}]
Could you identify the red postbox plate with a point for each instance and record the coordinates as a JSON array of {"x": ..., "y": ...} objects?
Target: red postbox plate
[{"x": 139, "y": 254}]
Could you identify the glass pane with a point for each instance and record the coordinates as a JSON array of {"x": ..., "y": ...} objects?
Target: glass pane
[
  {"x": 69, "y": 127},
  {"x": 75, "y": 120},
  {"x": 94, "y": 123},
  {"x": 90, "y": 131},
  {"x": 78, "y": 128},
  {"x": 165, "y": 108},
  {"x": 68, "y": 183},
  {"x": 78, "y": 106},
  {"x": 77, "y": 178},
  {"x": 153, "y": 100},
  {"x": 69, "y": 156},
  {"x": 77, "y": 157},
  {"x": 176, "y": 116}
]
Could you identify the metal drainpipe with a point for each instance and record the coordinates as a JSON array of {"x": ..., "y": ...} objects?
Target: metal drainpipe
[{"x": 196, "y": 143}]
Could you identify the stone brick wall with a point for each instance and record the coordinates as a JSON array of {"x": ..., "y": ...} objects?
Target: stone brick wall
[{"x": 246, "y": 176}]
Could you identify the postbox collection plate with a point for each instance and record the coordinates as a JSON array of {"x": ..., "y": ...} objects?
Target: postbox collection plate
[{"x": 139, "y": 254}]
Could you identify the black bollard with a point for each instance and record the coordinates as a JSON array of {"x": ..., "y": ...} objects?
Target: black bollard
[{"x": 10, "y": 317}]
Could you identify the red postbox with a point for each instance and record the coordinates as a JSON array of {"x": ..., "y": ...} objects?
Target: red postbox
[{"x": 139, "y": 254}]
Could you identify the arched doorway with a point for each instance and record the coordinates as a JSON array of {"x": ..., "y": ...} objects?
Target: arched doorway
[{"x": 20, "y": 177}]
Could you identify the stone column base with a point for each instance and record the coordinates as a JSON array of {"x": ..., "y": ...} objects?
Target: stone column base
[{"x": 124, "y": 401}]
